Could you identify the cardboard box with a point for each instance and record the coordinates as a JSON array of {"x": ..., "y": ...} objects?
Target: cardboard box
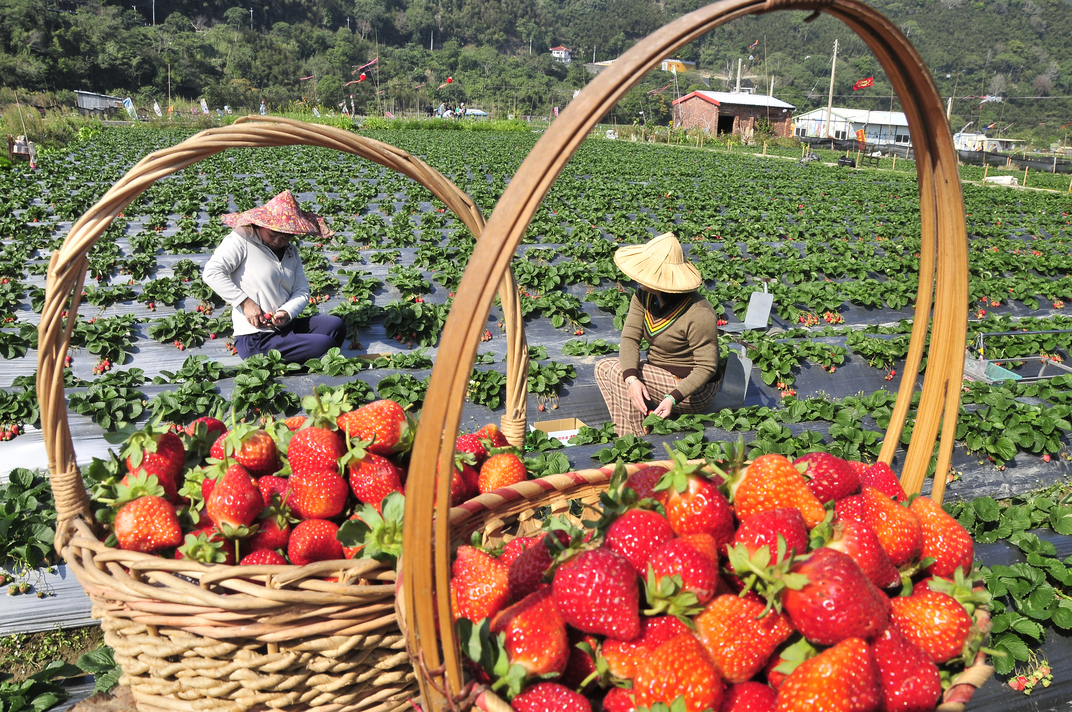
[{"x": 562, "y": 429}]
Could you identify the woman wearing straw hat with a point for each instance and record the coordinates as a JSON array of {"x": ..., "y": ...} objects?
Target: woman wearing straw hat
[
  {"x": 259, "y": 273},
  {"x": 680, "y": 374}
]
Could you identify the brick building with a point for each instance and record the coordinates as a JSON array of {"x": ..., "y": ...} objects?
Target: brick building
[{"x": 719, "y": 112}]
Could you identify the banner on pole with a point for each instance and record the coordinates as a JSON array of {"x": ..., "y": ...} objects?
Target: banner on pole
[
  {"x": 863, "y": 83},
  {"x": 204, "y": 106},
  {"x": 131, "y": 111},
  {"x": 156, "y": 109}
]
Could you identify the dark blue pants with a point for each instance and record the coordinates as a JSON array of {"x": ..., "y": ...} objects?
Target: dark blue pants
[{"x": 300, "y": 340}]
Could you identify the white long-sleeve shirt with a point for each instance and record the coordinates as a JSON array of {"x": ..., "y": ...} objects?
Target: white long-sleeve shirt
[{"x": 244, "y": 267}]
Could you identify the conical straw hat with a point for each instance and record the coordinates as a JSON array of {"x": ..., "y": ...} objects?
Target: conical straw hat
[
  {"x": 659, "y": 265},
  {"x": 281, "y": 214}
]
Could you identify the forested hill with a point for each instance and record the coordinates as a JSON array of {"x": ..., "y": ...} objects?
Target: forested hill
[{"x": 496, "y": 51}]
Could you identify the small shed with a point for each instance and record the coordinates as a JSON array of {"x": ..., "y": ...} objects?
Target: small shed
[
  {"x": 90, "y": 103},
  {"x": 879, "y": 127},
  {"x": 720, "y": 112}
]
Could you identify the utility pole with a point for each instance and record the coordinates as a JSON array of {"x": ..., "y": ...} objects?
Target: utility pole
[
  {"x": 830, "y": 98},
  {"x": 154, "y": 13},
  {"x": 737, "y": 90},
  {"x": 251, "y": 19},
  {"x": 431, "y": 41}
]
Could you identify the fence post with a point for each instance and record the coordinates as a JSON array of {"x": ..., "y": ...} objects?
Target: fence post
[
  {"x": 986, "y": 170},
  {"x": 1026, "y": 169}
]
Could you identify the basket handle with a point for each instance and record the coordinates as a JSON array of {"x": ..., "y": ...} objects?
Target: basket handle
[
  {"x": 943, "y": 260},
  {"x": 68, "y": 265}
]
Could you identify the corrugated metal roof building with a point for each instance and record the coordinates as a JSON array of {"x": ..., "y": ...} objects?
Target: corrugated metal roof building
[{"x": 722, "y": 112}]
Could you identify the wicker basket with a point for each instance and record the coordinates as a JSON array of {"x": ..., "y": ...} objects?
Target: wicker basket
[
  {"x": 941, "y": 307},
  {"x": 194, "y": 637}
]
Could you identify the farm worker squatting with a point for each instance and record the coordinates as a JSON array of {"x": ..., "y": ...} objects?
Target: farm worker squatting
[
  {"x": 259, "y": 273},
  {"x": 681, "y": 373}
]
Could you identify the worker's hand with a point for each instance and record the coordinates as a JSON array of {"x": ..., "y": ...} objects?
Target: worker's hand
[
  {"x": 664, "y": 408},
  {"x": 280, "y": 318},
  {"x": 638, "y": 393},
  {"x": 253, "y": 313}
]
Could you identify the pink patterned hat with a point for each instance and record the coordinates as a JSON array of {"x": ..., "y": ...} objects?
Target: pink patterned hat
[{"x": 281, "y": 214}]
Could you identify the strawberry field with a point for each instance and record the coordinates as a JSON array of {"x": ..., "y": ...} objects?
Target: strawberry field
[{"x": 837, "y": 247}]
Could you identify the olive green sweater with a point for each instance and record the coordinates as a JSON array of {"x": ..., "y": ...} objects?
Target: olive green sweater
[{"x": 688, "y": 348}]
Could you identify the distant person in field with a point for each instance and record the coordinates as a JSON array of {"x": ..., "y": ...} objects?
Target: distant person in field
[
  {"x": 680, "y": 374},
  {"x": 258, "y": 271}
]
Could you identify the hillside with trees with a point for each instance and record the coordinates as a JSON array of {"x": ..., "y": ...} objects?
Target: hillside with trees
[{"x": 496, "y": 53}]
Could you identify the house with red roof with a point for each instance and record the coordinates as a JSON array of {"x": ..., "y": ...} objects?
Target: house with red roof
[{"x": 721, "y": 112}]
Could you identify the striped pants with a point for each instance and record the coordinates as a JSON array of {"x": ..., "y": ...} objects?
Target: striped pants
[{"x": 630, "y": 421}]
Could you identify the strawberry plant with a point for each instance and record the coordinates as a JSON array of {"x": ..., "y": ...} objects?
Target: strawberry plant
[
  {"x": 413, "y": 323},
  {"x": 196, "y": 368},
  {"x": 408, "y": 281},
  {"x": 106, "y": 337},
  {"x": 387, "y": 257},
  {"x": 186, "y": 329},
  {"x": 547, "y": 463},
  {"x": 258, "y": 393},
  {"x": 106, "y": 296},
  {"x": 163, "y": 290},
  {"x": 587, "y": 435},
  {"x": 333, "y": 363},
  {"x": 20, "y": 407},
  {"x": 559, "y": 307},
  {"x": 628, "y": 448},
  {"x": 38, "y": 691},
  {"x": 190, "y": 400},
  {"x": 359, "y": 287},
  {"x": 321, "y": 282},
  {"x": 403, "y": 389},
  {"x": 486, "y": 388},
  {"x": 356, "y": 315},
  {"x": 113, "y": 400},
  {"x": 27, "y": 519},
  {"x": 415, "y": 359},
  {"x": 357, "y": 392},
  {"x": 582, "y": 347},
  {"x": 547, "y": 379},
  {"x": 15, "y": 343}
]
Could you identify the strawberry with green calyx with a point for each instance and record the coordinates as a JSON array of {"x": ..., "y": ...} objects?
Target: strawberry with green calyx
[
  {"x": 581, "y": 671},
  {"x": 479, "y": 584},
  {"x": 253, "y": 448},
  {"x": 788, "y": 659},
  {"x": 636, "y": 535},
  {"x": 263, "y": 557},
  {"x": 317, "y": 446},
  {"x": 620, "y": 497},
  {"x": 493, "y": 435},
  {"x": 501, "y": 469},
  {"x": 147, "y": 524},
  {"x": 526, "y": 572},
  {"x": 619, "y": 699},
  {"x": 318, "y": 494},
  {"x": 387, "y": 427},
  {"x": 621, "y": 658},
  {"x": 464, "y": 479},
  {"x": 597, "y": 592},
  {"x": 535, "y": 634},
  {"x": 206, "y": 546},
  {"x": 377, "y": 533},
  {"x": 273, "y": 525},
  {"x": 679, "y": 668},
  {"x": 882, "y": 478},
  {"x": 859, "y": 541},
  {"x": 273, "y": 486},
  {"x": 643, "y": 481},
  {"x": 837, "y": 602},
  {"x": 680, "y": 580},
  {"x": 944, "y": 539},
  {"x": 739, "y": 636},
  {"x": 757, "y": 572},
  {"x": 938, "y": 618},
  {"x": 372, "y": 476},
  {"x": 469, "y": 443},
  {"x": 159, "y": 452},
  {"x": 897, "y": 526},
  {"x": 694, "y": 504},
  {"x": 134, "y": 486},
  {"x": 314, "y": 540},
  {"x": 767, "y": 528},
  {"x": 235, "y": 503},
  {"x": 199, "y": 437},
  {"x": 771, "y": 482},
  {"x": 829, "y": 477},
  {"x": 749, "y": 697},
  {"x": 843, "y": 678}
]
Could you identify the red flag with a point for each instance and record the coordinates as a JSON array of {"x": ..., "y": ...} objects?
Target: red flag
[{"x": 863, "y": 83}]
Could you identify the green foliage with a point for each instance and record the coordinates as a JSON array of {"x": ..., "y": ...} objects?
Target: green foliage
[
  {"x": 102, "y": 665},
  {"x": 113, "y": 400},
  {"x": 27, "y": 519},
  {"x": 37, "y": 692}
]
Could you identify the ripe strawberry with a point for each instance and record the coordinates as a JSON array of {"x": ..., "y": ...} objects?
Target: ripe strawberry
[
  {"x": 597, "y": 592},
  {"x": 470, "y": 443},
  {"x": 738, "y": 637},
  {"x": 696, "y": 573},
  {"x": 526, "y": 571},
  {"x": 314, "y": 450},
  {"x": 158, "y": 452},
  {"x": 235, "y": 502},
  {"x": 207, "y": 545},
  {"x": 624, "y": 656},
  {"x": 772, "y": 482},
  {"x": 829, "y": 477},
  {"x": 219, "y": 448},
  {"x": 944, "y": 539},
  {"x": 837, "y": 602},
  {"x": 619, "y": 699},
  {"x": 859, "y": 541},
  {"x": 937, "y": 623},
  {"x": 479, "y": 585},
  {"x": 212, "y": 426},
  {"x": 372, "y": 477},
  {"x": 148, "y": 525},
  {"x": 680, "y": 667},
  {"x": 748, "y": 697},
  {"x": 550, "y": 697},
  {"x": 515, "y": 546},
  {"x": 535, "y": 634},
  {"x": 643, "y": 481},
  {"x": 318, "y": 494},
  {"x": 294, "y": 422},
  {"x": 705, "y": 544},
  {"x": 765, "y": 528},
  {"x": 500, "y": 471},
  {"x": 491, "y": 433},
  {"x": 636, "y": 534},
  {"x": 271, "y": 486},
  {"x": 910, "y": 681},
  {"x": 254, "y": 449},
  {"x": 263, "y": 557},
  {"x": 843, "y": 678},
  {"x": 463, "y": 483},
  {"x": 314, "y": 540},
  {"x": 694, "y": 504},
  {"x": 382, "y": 422},
  {"x": 135, "y": 481},
  {"x": 581, "y": 667},
  {"x": 851, "y": 507},
  {"x": 881, "y": 477},
  {"x": 896, "y": 526}
]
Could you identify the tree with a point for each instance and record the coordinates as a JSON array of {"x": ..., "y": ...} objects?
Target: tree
[{"x": 236, "y": 17}]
